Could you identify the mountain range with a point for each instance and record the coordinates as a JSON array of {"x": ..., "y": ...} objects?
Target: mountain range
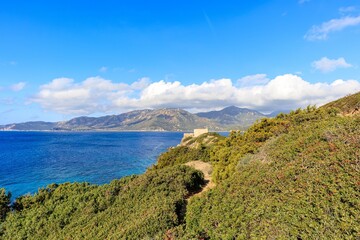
[{"x": 168, "y": 119}]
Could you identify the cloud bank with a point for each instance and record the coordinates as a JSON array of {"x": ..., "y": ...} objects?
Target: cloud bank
[
  {"x": 98, "y": 95},
  {"x": 328, "y": 65},
  {"x": 321, "y": 32}
]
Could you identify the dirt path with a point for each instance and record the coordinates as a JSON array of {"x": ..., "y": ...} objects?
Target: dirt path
[{"x": 206, "y": 168}]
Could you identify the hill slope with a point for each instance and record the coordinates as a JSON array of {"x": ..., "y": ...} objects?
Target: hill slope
[
  {"x": 303, "y": 182},
  {"x": 348, "y": 105}
]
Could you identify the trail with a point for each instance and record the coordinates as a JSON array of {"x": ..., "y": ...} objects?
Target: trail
[{"x": 206, "y": 168}]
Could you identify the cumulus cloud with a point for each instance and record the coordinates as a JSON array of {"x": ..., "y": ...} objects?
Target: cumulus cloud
[
  {"x": 94, "y": 94},
  {"x": 141, "y": 83},
  {"x": 328, "y": 65},
  {"x": 18, "y": 86},
  {"x": 322, "y": 31},
  {"x": 98, "y": 95}
]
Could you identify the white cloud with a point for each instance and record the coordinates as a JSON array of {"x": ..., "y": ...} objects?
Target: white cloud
[
  {"x": 103, "y": 69},
  {"x": 251, "y": 80},
  {"x": 348, "y": 9},
  {"x": 141, "y": 83},
  {"x": 303, "y": 1},
  {"x": 94, "y": 94},
  {"x": 328, "y": 65},
  {"x": 18, "y": 86},
  {"x": 321, "y": 32},
  {"x": 97, "y": 95}
]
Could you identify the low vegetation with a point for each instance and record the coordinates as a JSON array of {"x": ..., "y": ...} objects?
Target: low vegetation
[
  {"x": 296, "y": 176},
  {"x": 4, "y": 203},
  {"x": 303, "y": 184},
  {"x": 347, "y": 105},
  {"x": 135, "y": 207},
  {"x": 190, "y": 149}
]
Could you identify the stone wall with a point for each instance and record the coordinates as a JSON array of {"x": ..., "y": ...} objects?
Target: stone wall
[{"x": 199, "y": 131}]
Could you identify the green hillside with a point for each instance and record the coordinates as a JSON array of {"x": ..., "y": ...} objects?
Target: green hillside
[
  {"x": 301, "y": 184},
  {"x": 296, "y": 176},
  {"x": 347, "y": 105}
]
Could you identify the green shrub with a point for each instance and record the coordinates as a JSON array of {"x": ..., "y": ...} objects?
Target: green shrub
[{"x": 144, "y": 206}]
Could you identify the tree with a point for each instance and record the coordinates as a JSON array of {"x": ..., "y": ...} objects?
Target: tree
[{"x": 4, "y": 203}]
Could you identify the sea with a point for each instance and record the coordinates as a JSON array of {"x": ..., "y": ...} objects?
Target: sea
[{"x": 33, "y": 160}]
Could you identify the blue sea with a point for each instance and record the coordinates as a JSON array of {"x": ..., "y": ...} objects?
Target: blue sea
[{"x": 31, "y": 160}]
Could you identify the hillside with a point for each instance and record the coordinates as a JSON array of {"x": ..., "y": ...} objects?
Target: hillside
[
  {"x": 296, "y": 176},
  {"x": 39, "y": 125},
  {"x": 348, "y": 105},
  {"x": 146, "y": 120}
]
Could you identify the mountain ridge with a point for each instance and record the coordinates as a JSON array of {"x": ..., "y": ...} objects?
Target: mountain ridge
[
  {"x": 166, "y": 119},
  {"x": 232, "y": 116}
]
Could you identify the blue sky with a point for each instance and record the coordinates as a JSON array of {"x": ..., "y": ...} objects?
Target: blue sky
[{"x": 61, "y": 59}]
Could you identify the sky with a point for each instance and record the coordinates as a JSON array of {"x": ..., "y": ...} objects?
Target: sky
[{"x": 69, "y": 58}]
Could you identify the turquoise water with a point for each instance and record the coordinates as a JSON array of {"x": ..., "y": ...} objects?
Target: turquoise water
[{"x": 30, "y": 160}]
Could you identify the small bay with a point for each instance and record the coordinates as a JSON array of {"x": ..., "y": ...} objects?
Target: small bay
[{"x": 31, "y": 160}]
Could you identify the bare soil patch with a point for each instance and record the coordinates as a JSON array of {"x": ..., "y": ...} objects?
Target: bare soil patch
[{"x": 206, "y": 168}]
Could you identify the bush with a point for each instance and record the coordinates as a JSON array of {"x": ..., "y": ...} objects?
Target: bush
[
  {"x": 144, "y": 206},
  {"x": 4, "y": 203}
]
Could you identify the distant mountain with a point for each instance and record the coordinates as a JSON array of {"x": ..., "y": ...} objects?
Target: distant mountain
[
  {"x": 143, "y": 120},
  {"x": 169, "y": 119},
  {"x": 233, "y": 116},
  {"x": 39, "y": 126}
]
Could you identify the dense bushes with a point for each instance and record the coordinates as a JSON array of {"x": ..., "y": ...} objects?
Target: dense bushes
[
  {"x": 227, "y": 153},
  {"x": 304, "y": 184},
  {"x": 4, "y": 203},
  {"x": 181, "y": 154},
  {"x": 190, "y": 149},
  {"x": 130, "y": 208}
]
